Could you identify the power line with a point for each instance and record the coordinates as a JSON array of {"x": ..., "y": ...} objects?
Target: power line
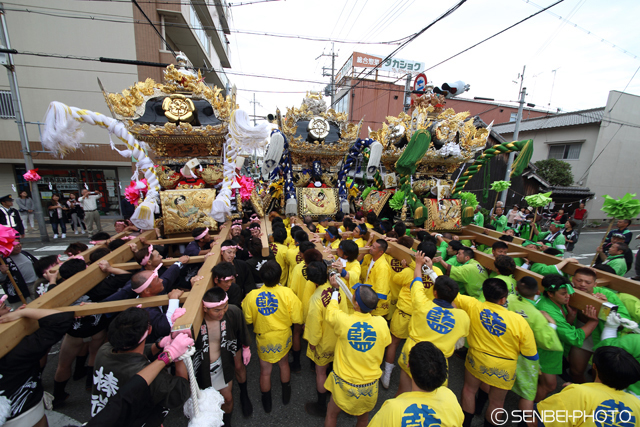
[
  {"x": 154, "y": 28},
  {"x": 413, "y": 37},
  {"x": 380, "y": 19},
  {"x": 625, "y": 88},
  {"x": 186, "y": 3},
  {"x": 150, "y": 64},
  {"x": 127, "y": 20},
  {"x": 584, "y": 30},
  {"x": 496, "y": 34}
]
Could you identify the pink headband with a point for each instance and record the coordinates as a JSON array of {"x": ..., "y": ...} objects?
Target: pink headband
[
  {"x": 236, "y": 226},
  {"x": 144, "y": 337},
  {"x": 76, "y": 257},
  {"x": 201, "y": 235},
  {"x": 224, "y": 248},
  {"x": 237, "y": 221},
  {"x": 216, "y": 304},
  {"x": 146, "y": 284},
  {"x": 146, "y": 258},
  {"x": 120, "y": 222},
  {"x": 255, "y": 218}
]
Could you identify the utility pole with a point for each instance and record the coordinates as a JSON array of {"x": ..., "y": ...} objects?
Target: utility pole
[
  {"x": 254, "y": 108},
  {"x": 516, "y": 131},
  {"x": 407, "y": 93},
  {"x": 22, "y": 127},
  {"x": 325, "y": 73}
]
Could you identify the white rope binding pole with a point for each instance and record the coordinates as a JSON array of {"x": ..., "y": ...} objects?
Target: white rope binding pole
[
  {"x": 62, "y": 135},
  {"x": 193, "y": 382},
  {"x": 204, "y": 406}
]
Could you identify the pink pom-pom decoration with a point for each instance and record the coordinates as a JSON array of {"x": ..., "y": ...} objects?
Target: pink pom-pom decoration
[
  {"x": 7, "y": 240},
  {"x": 246, "y": 187},
  {"x": 32, "y": 175},
  {"x": 135, "y": 191}
]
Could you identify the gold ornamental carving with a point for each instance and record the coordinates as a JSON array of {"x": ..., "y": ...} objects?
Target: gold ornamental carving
[{"x": 178, "y": 108}]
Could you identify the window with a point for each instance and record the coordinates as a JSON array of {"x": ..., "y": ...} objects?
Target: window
[
  {"x": 342, "y": 105},
  {"x": 513, "y": 117},
  {"x": 197, "y": 27},
  {"x": 565, "y": 152},
  {"x": 6, "y": 105}
]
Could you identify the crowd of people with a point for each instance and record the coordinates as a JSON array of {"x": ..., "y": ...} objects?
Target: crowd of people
[
  {"x": 76, "y": 211},
  {"x": 334, "y": 285},
  {"x": 614, "y": 255}
]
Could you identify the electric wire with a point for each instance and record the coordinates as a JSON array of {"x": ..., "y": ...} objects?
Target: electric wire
[
  {"x": 494, "y": 35},
  {"x": 127, "y": 20}
]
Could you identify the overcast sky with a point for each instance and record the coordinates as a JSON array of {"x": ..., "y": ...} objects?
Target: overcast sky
[{"x": 586, "y": 67}]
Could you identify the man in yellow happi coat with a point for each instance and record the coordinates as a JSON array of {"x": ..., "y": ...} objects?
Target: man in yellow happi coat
[
  {"x": 279, "y": 250},
  {"x": 429, "y": 402},
  {"x": 402, "y": 315},
  {"x": 375, "y": 271},
  {"x": 362, "y": 338},
  {"x": 434, "y": 320},
  {"x": 320, "y": 334},
  {"x": 496, "y": 338},
  {"x": 272, "y": 310}
]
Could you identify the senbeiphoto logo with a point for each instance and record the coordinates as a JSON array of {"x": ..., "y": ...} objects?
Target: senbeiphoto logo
[{"x": 609, "y": 413}]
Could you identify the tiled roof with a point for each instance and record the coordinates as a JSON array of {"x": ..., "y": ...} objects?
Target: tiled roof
[
  {"x": 574, "y": 118},
  {"x": 576, "y": 191}
]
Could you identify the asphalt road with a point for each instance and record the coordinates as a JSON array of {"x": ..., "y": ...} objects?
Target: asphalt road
[{"x": 303, "y": 384}]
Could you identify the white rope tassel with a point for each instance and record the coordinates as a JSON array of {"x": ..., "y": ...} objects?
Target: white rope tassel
[
  {"x": 273, "y": 155},
  {"x": 62, "y": 136},
  {"x": 374, "y": 157},
  {"x": 204, "y": 406}
]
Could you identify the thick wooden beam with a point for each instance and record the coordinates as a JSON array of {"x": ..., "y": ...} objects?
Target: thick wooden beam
[
  {"x": 121, "y": 305},
  {"x": 86, "y": 254},
  {"x": 166, "y": 262},
  {"x": 172, "y": 241},
  {"x": 397, "y": 251},
  {"x": 614, "y": 281},
  {"x": 192, "y": 319},
  {"x": 517, "y": 254},
  {"x": 62, "y": 295},
  {"x": 493, "y": 233},
  {"x": 265, "y": 236}
]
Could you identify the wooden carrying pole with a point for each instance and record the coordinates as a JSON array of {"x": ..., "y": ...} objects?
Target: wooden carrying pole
[
  {"x": 13, "y": 282},
  {"x": 533, "y": 224},
  {"x": 578, "y": 300},
  {"x": 612, "y": 281},
  {"x": 192, "y": 319},
  {"x": 63, "y": 295},
  {"x": 593, "y": 261}
]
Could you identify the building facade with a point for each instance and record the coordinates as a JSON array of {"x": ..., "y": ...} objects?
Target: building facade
[
  {"x": 91, "y": 30},
  {"x": 600, "y": 144}
]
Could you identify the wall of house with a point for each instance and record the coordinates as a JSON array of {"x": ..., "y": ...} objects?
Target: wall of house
[
  {"x": 586, "y": 135},
  {"x": 372, "y": 102},
  {"x": 615, "y": 170}
]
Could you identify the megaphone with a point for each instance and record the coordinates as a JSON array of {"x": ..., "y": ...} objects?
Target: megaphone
[{"x": 451, "y": 90}]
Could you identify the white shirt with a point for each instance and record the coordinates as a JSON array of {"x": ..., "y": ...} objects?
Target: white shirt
[{"x": 89, "y": 202}]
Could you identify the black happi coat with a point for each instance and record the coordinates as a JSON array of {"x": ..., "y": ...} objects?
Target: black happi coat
[
  {"x": 20, "y": 376},
  {"x": 7, "y": 286},
  {"x": 233, "y": 335},
  {"x": 113, "y": 370}
]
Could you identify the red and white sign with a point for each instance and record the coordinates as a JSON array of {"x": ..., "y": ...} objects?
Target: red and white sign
[{"x": 420, "y": 84}]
